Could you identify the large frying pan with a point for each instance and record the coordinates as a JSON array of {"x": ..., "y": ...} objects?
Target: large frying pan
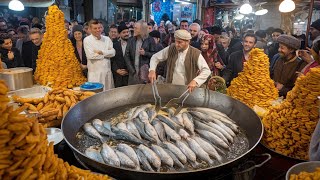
[{"x": 88, "y": 108}]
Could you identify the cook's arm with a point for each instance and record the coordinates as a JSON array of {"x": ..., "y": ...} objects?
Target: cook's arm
[
  {"x": 204, "y": 71},
  {"x": 110, "y": 52},
  {"x": 158, "y": 57},
  {"x": 87, "y": 44}
]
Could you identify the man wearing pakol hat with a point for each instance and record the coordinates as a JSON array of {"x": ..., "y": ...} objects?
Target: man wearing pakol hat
[
  {"x": 118, "y": 65},
  {"x": 288, "y": 65},
  {"x": 185, "y": 64}
]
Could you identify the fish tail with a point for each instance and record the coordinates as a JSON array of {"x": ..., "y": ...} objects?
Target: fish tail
[{"x": 103, "y": 139}]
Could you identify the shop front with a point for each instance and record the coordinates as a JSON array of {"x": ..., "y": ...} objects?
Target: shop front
[{"x": 175, "y": 10}]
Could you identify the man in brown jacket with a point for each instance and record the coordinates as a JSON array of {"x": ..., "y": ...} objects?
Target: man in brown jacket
[
  {"x": 185, "y": 64},
  {"x": 288, "y": 65}
]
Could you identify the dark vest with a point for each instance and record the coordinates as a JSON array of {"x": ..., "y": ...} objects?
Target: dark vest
[{"x": 190, "y": 63}]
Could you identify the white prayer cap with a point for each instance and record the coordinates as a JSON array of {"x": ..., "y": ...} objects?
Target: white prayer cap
[{"x": 182, "y": 34}]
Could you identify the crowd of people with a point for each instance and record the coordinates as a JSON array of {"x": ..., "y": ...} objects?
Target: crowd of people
[{"x": 137, "y": 52}]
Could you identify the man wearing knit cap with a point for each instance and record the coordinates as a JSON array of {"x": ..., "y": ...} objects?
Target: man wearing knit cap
[
  {"x": 156, "y": 37},
  {"x": 288, "y": 64},
  {"x": 185, "y": 64},
  {"x": 118, "y": 65}
]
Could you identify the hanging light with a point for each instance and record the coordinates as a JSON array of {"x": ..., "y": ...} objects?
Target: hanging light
[
  {"x": 261, "y": 11},
  {"x": 16, "y": 5},
  {"x": 287, "y": 6},
  {"x": 246, "y": 8}
]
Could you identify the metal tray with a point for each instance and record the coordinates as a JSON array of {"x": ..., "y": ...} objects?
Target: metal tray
[
  {"x": 303, "y": 160},
  {"x": 33, "y": 92},
  {"x": 305, "y": 166}
]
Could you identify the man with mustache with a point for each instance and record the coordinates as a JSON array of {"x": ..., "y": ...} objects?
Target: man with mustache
[
  {"x": 238, "y": 58},
  {"x": 118, "y": 65},
  {"x": 185, "y": 64},
  {"x": 288, "y": 64}
]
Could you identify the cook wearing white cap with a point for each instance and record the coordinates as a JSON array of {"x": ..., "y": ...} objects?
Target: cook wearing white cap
[{"x": 185, "y": 64}]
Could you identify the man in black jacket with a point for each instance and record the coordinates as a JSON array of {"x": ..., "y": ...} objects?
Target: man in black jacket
[
  {"x": 118, "y": 65},
  {"x": 238, "y": 58},
  {"x": 140, "y": 49},
  {"x": 35, "y": 35},
  {"x": 274, "y": 46},
  {"x": 9, "y": 55}
]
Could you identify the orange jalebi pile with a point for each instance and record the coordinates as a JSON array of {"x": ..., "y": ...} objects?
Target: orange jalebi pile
[
  {"x": 289, "y": 126},
  {"x": 253, "y": 86},
  {"x": 57, "y": 65}
]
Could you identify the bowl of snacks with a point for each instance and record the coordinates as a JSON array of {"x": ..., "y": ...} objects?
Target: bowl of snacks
[
  {"x": 54, "y": 135},
  {"x": 304, "y": 170}
]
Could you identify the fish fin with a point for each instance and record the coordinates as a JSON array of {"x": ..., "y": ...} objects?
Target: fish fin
[
  {"x": 161, "y": 144},
  {"x": 103, "y": 139},
  {"x": 195, "y": 164},
  {"x": 107, "y": 125},
  {"x": 171, "y": 169},
  {"x": 147, "y": 143},
  {"x": 168, "y": 138}
]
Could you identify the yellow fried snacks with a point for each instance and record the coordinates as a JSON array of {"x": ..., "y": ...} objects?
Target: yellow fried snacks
[
  {"x": 24, "y": 149},
  {"x": 289, "y": 126},
  {"x": 54, "y": 105},
  {"x": 306, "y": 175},
  {"x": 57, "y": 65},
  {"x": 253, "y": 86}
]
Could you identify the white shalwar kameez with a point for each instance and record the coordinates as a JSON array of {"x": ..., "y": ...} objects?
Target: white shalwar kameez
[{"x": 99, "y": 66}]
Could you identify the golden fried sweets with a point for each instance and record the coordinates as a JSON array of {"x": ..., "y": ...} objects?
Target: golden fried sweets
[
  {"x": 24, "y": 149},
  {"x": 253, "y": 86},
  {"x": 306, "y": 175},
  {"x": 289, "y": 126},
  {"x": 54, "y": 105},
  {"x": 57, "y": 65}
]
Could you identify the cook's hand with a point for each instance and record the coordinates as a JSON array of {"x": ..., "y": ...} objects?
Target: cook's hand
[
  {"x": 304, "y": 55},
  {"x": 10, "y": 55},
  {"x": 279, "y": 86},
  {"x": 152, "y": 76},
  {"x": 218, "y": 65},
  {"x": 192, "y": 85},
  {"x": 98, "y": 52},
  {"x": 141, "y": 51}
]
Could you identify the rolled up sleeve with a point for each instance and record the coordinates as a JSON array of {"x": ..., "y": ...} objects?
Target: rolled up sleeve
[{"x": 204, "y": 71}]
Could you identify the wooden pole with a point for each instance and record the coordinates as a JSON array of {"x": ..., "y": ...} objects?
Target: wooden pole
[{"x": 309, "y": 22}]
